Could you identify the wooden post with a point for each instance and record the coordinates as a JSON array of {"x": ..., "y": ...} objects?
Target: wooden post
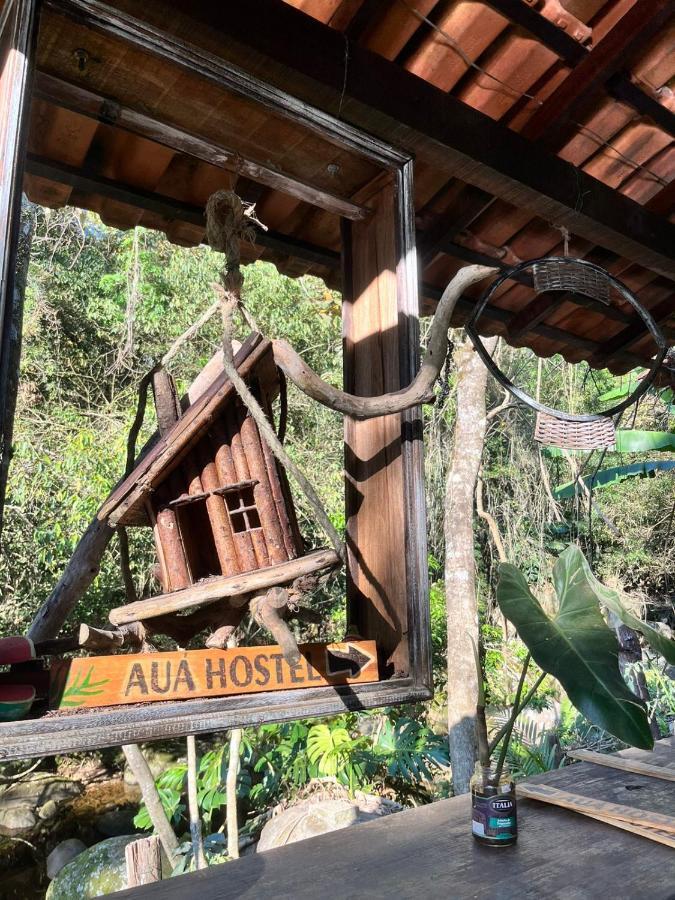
[
  {"x": 144, "y": 861},
  {"x": 374, "y": 489},
  {"x": 17, "y": 49}
]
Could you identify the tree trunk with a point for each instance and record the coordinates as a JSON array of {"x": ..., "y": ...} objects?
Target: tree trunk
[{"x": 460, "y": 576}]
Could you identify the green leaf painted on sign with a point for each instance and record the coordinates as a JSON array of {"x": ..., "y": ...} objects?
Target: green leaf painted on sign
[{"x": 577, "y": 647}]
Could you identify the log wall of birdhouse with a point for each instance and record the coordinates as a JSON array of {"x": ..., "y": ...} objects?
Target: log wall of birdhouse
[{"x": 226, "y": 508}]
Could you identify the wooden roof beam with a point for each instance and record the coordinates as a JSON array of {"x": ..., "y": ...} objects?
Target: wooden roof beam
[
  {"x": 106, "y": 109},
  {"x": 381, "y": 98},
  {"x": 177, "y": 210},
  {"x": 572, "y": 52},
  {"x": 89, "y": 182},
  {"x": 608, "y": 57}
]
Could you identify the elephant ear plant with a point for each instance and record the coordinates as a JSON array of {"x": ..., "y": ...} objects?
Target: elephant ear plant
[{"x": 576, "y": 646}]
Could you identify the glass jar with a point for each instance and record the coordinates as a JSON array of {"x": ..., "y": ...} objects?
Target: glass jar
[{"x": 493, "y": 807}]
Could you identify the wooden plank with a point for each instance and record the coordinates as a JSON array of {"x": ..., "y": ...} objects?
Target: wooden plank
[
  {"x": 637, "y": 766},
  {"x": 212, "y": 589},
  {"x": 382, "y": 98},
  {"x": 559, "y": 855},
  {"x": 119, "y": 680},
  {"x": 106, "y": 109},
  {"x": 608, "y": 812}
]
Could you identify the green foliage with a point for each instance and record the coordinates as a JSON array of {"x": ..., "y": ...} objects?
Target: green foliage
[
  {"x": 359, "y": 751},
  {"x": 576, "y": 647},
  {"x": 613, "y": 475}
]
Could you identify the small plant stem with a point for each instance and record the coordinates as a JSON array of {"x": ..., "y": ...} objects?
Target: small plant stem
[
  {"x": 231, "y": 794},
  {"x": 530, "y": 694},
  {"x": 512, "y": 719},
  {"x": 193, "y": 804}
]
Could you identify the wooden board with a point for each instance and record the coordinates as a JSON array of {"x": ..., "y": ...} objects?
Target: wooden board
[
  {"x": 428, "y": 853},
  {"x": 184, "y": 674},
  {"x": 637, "y": 766}
]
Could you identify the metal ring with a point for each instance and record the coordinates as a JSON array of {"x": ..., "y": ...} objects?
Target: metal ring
[{"x": 627, "y": 295}]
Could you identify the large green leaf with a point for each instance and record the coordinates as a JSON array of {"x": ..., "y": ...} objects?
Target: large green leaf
[
  {"x": 576, "y": 647},
  {"x": 611, "y": 599},
  {"x": 613, "y": 475},
  {"x": 631, "y": 440}
]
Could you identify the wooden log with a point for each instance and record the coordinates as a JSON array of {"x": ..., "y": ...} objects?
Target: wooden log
[
  {"x": 57, "y": 646},
  {"x": 221, "y": 526},
  {"x": 87, "y": 683},
  {"x": 235, "y": 420},
  {"x": 638, "y": 766},
  {"x": 282, "y": 494},
  {"x": 227, "y": 474},
  {"x": 162, "y": 573},
  {"x": 169, "y": 537},
  {"x": 213, "y": 589},
  {"x": 144, "y": 861},
  {"x": 91, "y": 638},
  {"x": 262, "y": 492},
  {"x": 267, "y": 611}
]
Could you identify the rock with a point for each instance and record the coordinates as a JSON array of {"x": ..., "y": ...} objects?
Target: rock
[
  {"x": 23, "y": 803},
  {"x": 98, "y": 871},
  {"x": 158, "y": 761},
  {"x": 116, "y": 822},
  {"x": 312, "y": 817},
  {"x": 62, "y": 854}
]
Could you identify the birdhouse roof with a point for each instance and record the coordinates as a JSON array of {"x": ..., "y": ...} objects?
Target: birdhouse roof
[{"x": 126, "y": 505}]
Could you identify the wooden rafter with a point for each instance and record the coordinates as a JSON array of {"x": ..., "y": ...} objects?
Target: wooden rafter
[
  {"x": 382, "y": 98},
  {"x": 608, "y": 57},
  {"x": 88, "y": 103}
]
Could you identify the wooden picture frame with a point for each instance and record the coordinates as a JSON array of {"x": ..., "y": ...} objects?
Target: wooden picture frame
[{"x": 385, "y": 508}]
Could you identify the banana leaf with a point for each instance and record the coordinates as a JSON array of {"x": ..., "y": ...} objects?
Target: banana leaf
[
  {"x": 607, "y": 477},
  {"x": 612, "y": 601},
  {"x": 576, "y": 647},
  {"x": 630, "y": 441}
]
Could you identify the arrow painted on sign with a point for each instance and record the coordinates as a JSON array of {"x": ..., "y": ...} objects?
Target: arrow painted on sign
[{"x": 346, "y": 659}]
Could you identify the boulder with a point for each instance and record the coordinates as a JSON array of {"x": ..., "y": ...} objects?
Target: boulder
[
  {"x": 96, "y": 872},
  {"x": 62, "y": 854},
  {"x": 116, "y": 822},
  {"x": 306, "y": 820},
  {"x": 321, "y": 813},
  {"x": 25, "y": 802}
]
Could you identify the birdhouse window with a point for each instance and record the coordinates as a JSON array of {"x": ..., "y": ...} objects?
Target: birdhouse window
[{"x": 242, "y": 509}]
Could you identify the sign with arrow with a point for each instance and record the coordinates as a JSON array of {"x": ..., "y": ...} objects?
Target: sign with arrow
[
  {"x": 349, "y": 659},
  {"x": 96, "y": 681}
]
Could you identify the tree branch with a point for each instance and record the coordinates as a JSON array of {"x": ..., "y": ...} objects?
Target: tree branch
[{"x": 420, "y": 390}]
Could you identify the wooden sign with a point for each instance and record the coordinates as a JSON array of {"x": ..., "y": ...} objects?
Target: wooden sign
[{"x": 183, "y": 674}]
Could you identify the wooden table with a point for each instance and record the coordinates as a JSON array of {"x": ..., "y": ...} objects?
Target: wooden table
[{"x": 429, "y": 852}]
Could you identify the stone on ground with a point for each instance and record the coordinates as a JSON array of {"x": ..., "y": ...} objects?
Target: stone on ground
[
  {"x": 96, "y": 872},
  {"x": 62, "y": 854}
]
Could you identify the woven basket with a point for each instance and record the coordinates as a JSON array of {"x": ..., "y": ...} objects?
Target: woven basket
[{"x": 596, "y": 435}]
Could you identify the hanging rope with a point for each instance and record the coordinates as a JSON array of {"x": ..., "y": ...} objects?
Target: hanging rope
[{"x": 228, "y": 222}]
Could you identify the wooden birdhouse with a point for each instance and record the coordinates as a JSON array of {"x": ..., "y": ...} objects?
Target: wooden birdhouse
[{"x": 219, "y": 504}]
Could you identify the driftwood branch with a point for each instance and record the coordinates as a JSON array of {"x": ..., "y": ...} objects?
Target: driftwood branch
[
  {"x": 420, "y": 390},
  {"x": 139, "y": 766},
  {"x": 267, "y": 610}
]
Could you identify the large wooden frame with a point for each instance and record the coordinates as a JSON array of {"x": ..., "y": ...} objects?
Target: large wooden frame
[{"x": 385, "y": 510}]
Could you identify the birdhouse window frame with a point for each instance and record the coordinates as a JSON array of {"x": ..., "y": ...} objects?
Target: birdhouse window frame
[{"x": 405, "y": 634}]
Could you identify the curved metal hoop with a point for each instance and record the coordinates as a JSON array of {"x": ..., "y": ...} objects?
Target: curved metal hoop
[{"x": 621, "y": 289}]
